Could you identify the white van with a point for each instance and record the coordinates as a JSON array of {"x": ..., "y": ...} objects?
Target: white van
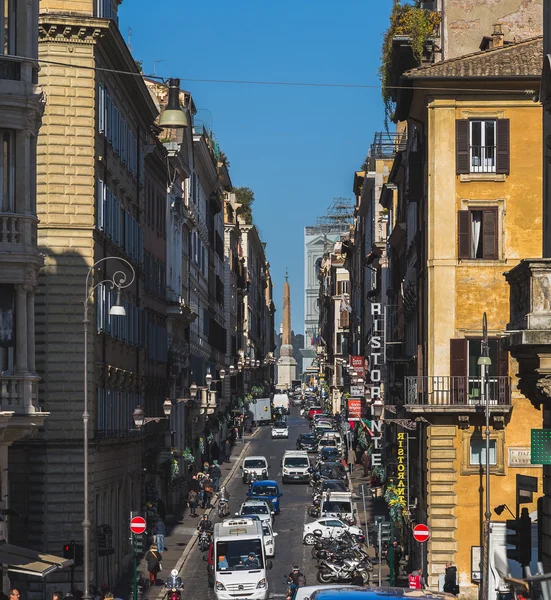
[
  {"x": 281, "y": 401},
  {"x": 295, "y": 466},
  {"x": 337, "y": 504},
  {"x": 254, "y": 464},
  {"x": 243, "y": 571}
]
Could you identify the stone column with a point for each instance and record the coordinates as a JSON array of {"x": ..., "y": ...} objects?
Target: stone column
[
  {"x": 21, "y": 365},
  {"x": 30, "y": 331},
  {"x": 287, "y": 365}
]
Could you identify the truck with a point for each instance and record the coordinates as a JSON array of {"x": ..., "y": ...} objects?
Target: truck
[
  {"x": 281, "y": 401},
  {"x": 260, "y": 411},
  {"x": 239, "y": 558}
]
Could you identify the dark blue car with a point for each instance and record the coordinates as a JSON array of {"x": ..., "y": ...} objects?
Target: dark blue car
[{"x": 266, "y": 489}]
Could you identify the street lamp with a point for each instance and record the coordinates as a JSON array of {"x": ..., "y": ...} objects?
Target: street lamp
[
  {"x": 232, "y": 370},
  {"x": 208, "y": 378},
  {"x": 222, "y": 374},
  {"x": 484, "y": 362},
  {"x": 377, "y": 408},
  {"x": 173, "y": 116},
  {"x": 118, "y": 281},
  {"x": 140, "y": 419}
]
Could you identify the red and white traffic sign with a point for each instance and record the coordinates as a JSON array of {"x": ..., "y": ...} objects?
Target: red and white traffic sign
[
  {"x": 138, "y": 525},
  {"x": 421, "y": 533}
]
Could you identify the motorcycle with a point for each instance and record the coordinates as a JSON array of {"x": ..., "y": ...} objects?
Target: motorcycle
[
  {"x": 336, "y": 570},
  {"x": 223, "y": 508},
  {"x": 314, "y": 511},
  {"x": 174, "y": 586},
  {"x": 205, "y": 538}
]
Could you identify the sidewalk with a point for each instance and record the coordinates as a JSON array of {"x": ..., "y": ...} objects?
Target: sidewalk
[
  {"x": 374, "y": 508},
  {"x": 180, "y": 531}
]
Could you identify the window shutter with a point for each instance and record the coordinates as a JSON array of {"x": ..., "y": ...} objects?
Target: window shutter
[
  {"x": 489, "y": 232},
  {"x": 502, "y": 362},
  {"x": 503, "y": 144},
  {"x": 463, "y": 234},
  {"x": 462, "y": 146},
  {"x": 458, "y": 358}
]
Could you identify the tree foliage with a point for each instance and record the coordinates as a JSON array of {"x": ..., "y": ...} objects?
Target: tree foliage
[{"x": 245, "y": 197}]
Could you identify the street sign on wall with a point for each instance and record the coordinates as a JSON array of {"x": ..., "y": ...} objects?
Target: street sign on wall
[{"x": 355, "y": 408}]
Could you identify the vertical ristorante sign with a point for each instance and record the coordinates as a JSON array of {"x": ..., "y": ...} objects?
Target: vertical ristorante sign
[
  {"x": 376, "y": 345},
  {"x": 402, "y": 459}
]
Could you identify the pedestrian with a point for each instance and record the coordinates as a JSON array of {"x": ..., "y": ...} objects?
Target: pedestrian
[
  {"x": 206, "y": 467},
  {"x": 57, "y": 595},
  {"x": 366, "y": 463},
  {"x": 357, "y": 579},
  {"x": 351, "y": 459},
  {"x": 192, "y": 502},
  {"x": 215, "y": 473},
  {"x": 416, "y": 580},
  {"x": 201, "y": 480},
  {"x": 215, "y": 452},
  {"x": 160, "y": 532},
  {"x": 450, "y": 579},
  {"x": 14, "y": 593},
  {"x": 208, "y": 490},
  {"x": 227, "y": 450},
  {"x": 153, "y": 559},
  {"x": 393, "y": 559},
  {"x": 194, "y": 484}
]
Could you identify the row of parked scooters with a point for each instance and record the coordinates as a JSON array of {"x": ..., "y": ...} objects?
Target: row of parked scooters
[{"x": 340, "y": 552}]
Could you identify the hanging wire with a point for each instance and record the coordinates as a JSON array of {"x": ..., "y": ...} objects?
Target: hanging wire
[{"x": 270, "y": 83}]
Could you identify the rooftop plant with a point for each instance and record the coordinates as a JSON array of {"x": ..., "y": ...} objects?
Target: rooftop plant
[{"x": 407, "y": 18}]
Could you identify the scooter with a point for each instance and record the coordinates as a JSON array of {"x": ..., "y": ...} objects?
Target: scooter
[
  {"x": 174, "y": 586},
  {"x": 223, "y": 508},
  {"x": 205, "y": 538},
  {"x": 341, "y": 570}
]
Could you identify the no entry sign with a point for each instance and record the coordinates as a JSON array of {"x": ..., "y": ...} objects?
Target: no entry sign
[
  {"x": 421, "y": 533},
  {"x": 138, "y": 525}
]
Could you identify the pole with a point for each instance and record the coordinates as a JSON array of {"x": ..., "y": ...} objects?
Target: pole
[
  {"x": 488, "y": 513},
  {"x": 85, "y": 415},
  {"x": 135, "y": 589},
  {"x": 380, "y": 541},
  {"x": 365, "y": 517}
]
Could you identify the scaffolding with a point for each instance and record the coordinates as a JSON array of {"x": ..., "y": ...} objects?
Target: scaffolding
[{"x": 338, "y": 218}]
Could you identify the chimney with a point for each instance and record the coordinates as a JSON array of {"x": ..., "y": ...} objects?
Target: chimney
[{"x": 497, "y": 36}]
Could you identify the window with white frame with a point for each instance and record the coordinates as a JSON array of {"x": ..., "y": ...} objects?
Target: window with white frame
[
  {"x": 7, "y": 170},
  {"x": 477, "y": 452},
  {"x": 7, "y": 26},
  {"x": 483, "y": 146}
]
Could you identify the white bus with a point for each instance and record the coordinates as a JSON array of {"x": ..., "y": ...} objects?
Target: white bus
[{"x": 240, "y": 563}]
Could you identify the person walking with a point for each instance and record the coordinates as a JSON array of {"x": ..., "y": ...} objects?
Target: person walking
[
  {"x": 192, "y": 499},
  {"x": 450, "y": 579},
  {"x": 393, "y": 560},
  {"x": 215, "y": 473},
  {"x": 351, "y": 458},
  {"x": 160, "y": 532},
  {"x": 366, "y": 463},
  {"x": 58, "y": 595},
  {"x": 208, "y": 490},
  {"x": 153, "y": 559},
  {"x": 227, "y": 451},
  {"x": 14, "y": 593}
]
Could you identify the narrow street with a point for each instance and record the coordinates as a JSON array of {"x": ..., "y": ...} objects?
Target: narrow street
[{"x": 289, "y": 524}]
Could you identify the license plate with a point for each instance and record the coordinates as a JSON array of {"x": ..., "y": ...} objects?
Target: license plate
[{"x": 296, "y": 476}]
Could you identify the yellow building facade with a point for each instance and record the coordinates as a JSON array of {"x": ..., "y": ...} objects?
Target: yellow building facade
[{"x": 472, "y": 170}]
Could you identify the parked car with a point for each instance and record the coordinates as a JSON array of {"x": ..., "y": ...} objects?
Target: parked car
[
  {"x": 330, "y": 528},
  {"x": 314, "y": 410},
  {"x": 333, "y": 485},
  {"x": 266, "y": 489},
  {"x": 348, "y": 592},
  {"x": 280, "y": 430},
  {"x": 329, "y": 455}
]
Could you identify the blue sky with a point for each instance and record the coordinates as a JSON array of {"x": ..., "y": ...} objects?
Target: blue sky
[{"x": 296, "y": 147}]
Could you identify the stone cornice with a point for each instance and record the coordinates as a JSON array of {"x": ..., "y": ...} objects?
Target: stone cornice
[{"x": 60, "y": 28}]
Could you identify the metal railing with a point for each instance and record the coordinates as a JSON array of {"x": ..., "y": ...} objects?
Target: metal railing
[
  {"x": 444, "y": 390},
  {"x": 112, "y": 434},
  {"x": 483, "y": 159}
]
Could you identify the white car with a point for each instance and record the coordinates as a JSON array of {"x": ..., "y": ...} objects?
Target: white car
[
  {"x": 269, "y": 538},
  {"x": 330, "y": 527},
  {"x": 257, "y": 507},
  {"x": 280, "y": 430}
]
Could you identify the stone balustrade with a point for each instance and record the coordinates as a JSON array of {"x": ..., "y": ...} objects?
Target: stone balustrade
[
  {"x": 17, "y": 230},
  {"x": 19, "y": 394}
]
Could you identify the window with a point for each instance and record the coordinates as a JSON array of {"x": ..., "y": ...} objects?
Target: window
[
  {"x": 7, "y": 170},
  {"x": 477, "y": 452},
  {"x": 478, "y": 233},
  {"x": 7, "y": 26},
  {"x": 342, "y": 288},
  {"x": 482, "y": 146}
]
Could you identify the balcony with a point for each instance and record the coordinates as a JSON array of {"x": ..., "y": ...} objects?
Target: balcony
[
  {"x": 459, "y": 394},
  {"x": 17, "y": 232},
  {"x": 18, "y": 394}
]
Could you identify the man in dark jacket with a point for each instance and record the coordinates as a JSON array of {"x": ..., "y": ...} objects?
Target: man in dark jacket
[
  {"x": 450, "y": 579},
  {"x": 215, "y": 474}
]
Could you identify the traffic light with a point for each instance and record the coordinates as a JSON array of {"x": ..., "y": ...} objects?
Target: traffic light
[
  {"x": 386, "y": 531},
  {"x": 69, "y": 551},
  {"x": 74, "y": 552},
  {"x": 520, "y": 539},
  {"x": 138, "y": 543}
]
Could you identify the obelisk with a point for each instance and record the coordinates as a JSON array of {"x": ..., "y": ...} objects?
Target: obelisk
[{"x": 286, "y": 365}]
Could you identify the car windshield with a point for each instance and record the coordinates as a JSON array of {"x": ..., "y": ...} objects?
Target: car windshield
[
  {"x": 329, "y": 506},
  {"x": 255, "y": 463},
  {"x": 263, "y": 490},
  {"x": 332, "y": 486},
  {"x": 280, "y": 425},
  {"x": 329, "y": 453},
  {"x": 307, "y": 437},
  {"x": 328, "y": 443},
  {"x": 236, "y": 554},
  {"x": 296, "y": 461},
  {"x": 260, "y": 509}
]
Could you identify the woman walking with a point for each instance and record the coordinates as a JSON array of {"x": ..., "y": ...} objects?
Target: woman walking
[{"x": 153, "y": 559}]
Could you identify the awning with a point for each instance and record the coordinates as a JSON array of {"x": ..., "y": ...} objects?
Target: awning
[{"x": 30, "y": 562}]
